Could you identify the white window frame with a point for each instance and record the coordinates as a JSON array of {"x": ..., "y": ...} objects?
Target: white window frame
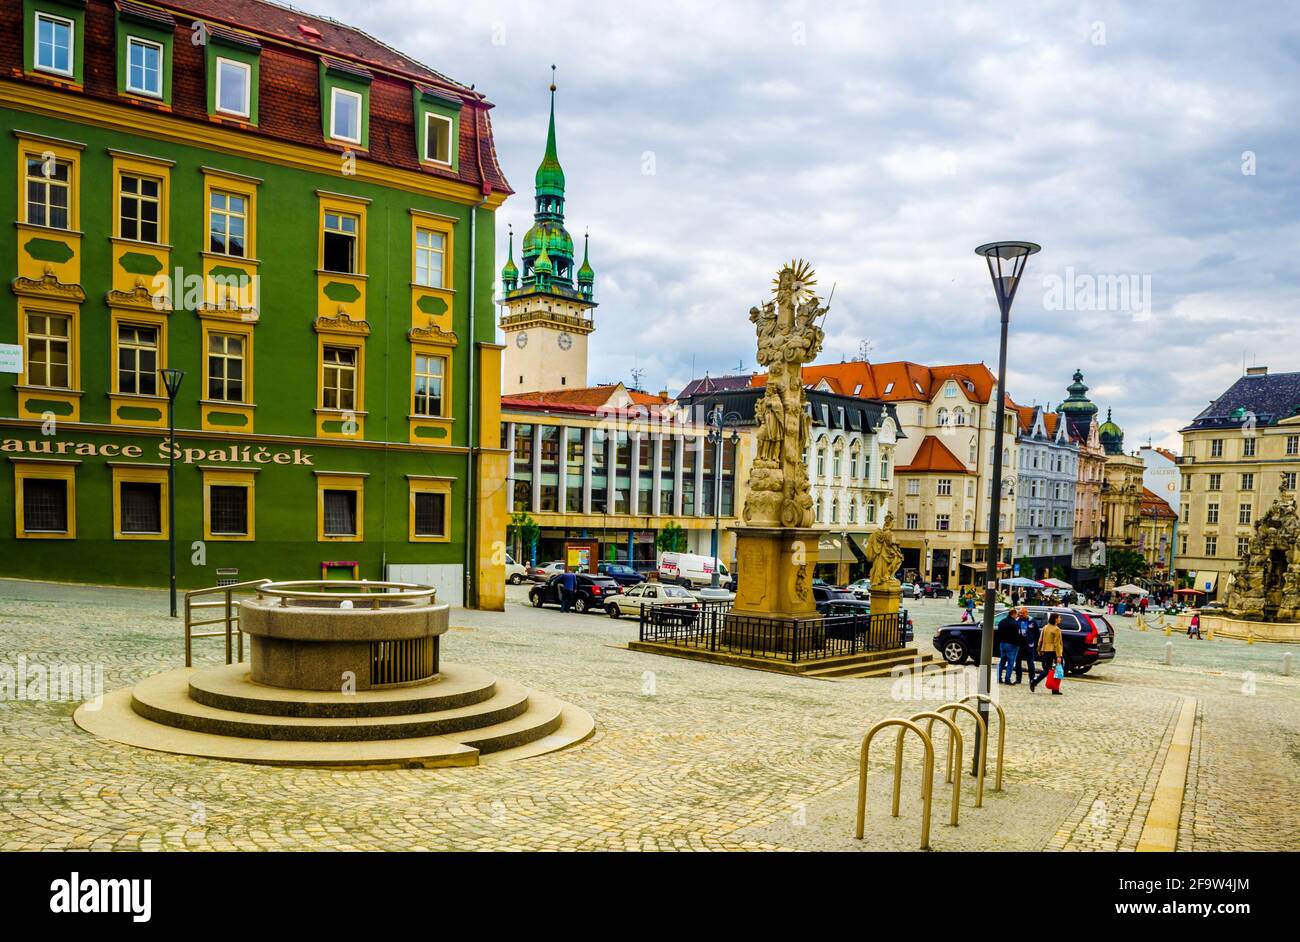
[
  {"x": 248, "y": 87},
  {"x": 334, "y": 96},
  {"x": 162, "y": 52},
  {"x": 72, "y": 44},
  {"x": 433, "y": 116}
]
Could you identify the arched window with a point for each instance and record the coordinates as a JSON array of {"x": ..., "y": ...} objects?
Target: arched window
[
  {"x": 835, "y": 510},
  {"x": 871, "y": 511},
  {"x": 837, "y": 458},
  {"x": 821, "y": 462},
  {"x": 943, "y": 415},
  {"x": 959, "y": 416},
  {"x": 818, "y": 511},
  {"x": 853, "y": 510}
]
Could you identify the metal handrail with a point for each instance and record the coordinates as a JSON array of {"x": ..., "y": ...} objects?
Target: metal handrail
[
  {"x": 229, "y": 618},
  {"x": 373, "y": 592}
]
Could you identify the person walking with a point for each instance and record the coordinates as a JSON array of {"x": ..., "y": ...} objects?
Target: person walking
[
  {"x": 1008, "y": 635},
  {"x": 968, "y": 609},
  {"x": 568, "y": 588},
  {"x": 1194, "y": 626},
  {"x": 1051, "y": 649},
  {"x": 1028, "y": 652}
]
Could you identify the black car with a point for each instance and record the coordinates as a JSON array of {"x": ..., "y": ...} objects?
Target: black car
[
  {"x": 844, "y": 601},
  {"x": 623, "y": 575},
  {"x": 589, "y": 596},
  {"x": 1087, "y": 636},
  {"x": 936, "y": 590}
]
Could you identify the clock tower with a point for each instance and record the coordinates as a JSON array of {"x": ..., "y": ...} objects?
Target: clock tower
[{"x": 546, "y": 308}]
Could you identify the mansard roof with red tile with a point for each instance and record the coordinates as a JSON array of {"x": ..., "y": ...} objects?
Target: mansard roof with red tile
[
  {"x": 933, "y": 455},
  {"x": 291, "y": 46},
  {"x": 897, "y": 381}
]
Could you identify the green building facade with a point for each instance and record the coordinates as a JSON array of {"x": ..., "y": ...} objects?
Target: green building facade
[{"x": 304, "y": 227}]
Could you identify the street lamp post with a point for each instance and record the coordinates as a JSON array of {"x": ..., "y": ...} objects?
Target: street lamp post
[
  {"x": 172, "y": 383},
  {"x": 1006, "y": 263},
  {"x": 719, "y": 422}
]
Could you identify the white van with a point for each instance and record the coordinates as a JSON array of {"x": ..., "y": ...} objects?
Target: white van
[{"x": 691, "y": 569}]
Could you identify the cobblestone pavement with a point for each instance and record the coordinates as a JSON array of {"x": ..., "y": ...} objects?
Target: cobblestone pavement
[{"x": 686, "y": 756}]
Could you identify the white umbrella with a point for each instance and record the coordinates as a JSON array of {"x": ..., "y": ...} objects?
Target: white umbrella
[
  {"x": 1057, "y": 583},
  {"x": 1131, "y": 589},
  {"x": 1020, "y": 582}
]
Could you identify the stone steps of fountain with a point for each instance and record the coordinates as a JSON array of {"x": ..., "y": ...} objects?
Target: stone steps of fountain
[
  {"x": 228, "y": 688},
  {"x": 164, "y": 698}
]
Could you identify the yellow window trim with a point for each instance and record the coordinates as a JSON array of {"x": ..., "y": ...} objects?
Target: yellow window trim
[
  {"x": 64, "y": 470},
  {"x": 73, "y": 391},
  {"x": 244, "y": 329},
  {"x": 445, "y": 226},
  {"x": 433, "y": 350},
  {"x": 327, "y": 337},
  {"x": 139, "y": 474},
  {"x": 239, "y": 185},
  {"x": 341, "y": 203},
  {"x": 429, "y": 485},
  {"x": 34, "y": 145},
  {"x": 339, "y": 481},
  {"x": 126, "y": 164},
  {"x": 118, "y": 398},
  {"x": 234, "y": 478}
]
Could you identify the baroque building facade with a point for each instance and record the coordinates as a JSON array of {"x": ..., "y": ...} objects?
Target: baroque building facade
[
  {"x": 298, "y": 217},
  {"x": 1046, "y": 474}
]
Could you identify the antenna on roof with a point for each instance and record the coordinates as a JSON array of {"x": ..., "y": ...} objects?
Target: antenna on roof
[
  {"x": 740, "y": 366},
  {"x": 636, "y": 378}
]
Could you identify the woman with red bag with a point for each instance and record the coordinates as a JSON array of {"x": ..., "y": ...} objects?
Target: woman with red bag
[{"x": 1052, "y": 650}]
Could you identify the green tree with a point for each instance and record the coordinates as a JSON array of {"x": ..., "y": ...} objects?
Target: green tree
[
  {"x": 1126, "y": 565},
  {"x": 671, "y": 539},
  {"x": 523, "y": 532},
  {"x": 1026, "y": 568}
]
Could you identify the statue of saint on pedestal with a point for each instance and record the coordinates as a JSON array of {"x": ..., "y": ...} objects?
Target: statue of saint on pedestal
[{"x": 885, "y": 556}]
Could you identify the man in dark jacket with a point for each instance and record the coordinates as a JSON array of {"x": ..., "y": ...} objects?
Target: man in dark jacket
[
  {"x": 1008, "y": 637},
  {"x": 1028, "y": 652},
  {"x": 568, "y": 588}
]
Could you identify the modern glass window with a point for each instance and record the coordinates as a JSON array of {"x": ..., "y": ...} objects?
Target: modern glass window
[
  {"x": 340, "y": 513},
  {"x": 667, "y": 461},
  {"x": 576, "y": 457},
  {"x": 45, "y": 505},
  {"x": 49, "y": 350},
  {"x": 430, "y": 514},
  {"x": 437, "y": 138},
  {"x": 144, "y": 62},
  {"x": 138, "y": 205},
  {"x": 226, "y": 367},
  {"x": 523, "y": 468},
  {"x": 137, "y": 360},
  {"x": 599, "y": 471},
  {"x": 430, "y": 252},
  {"x": 708, "y": 481},
  {"x": 429, "y": 373},
  {"x": 49, "y": 192},
  {"x": 227, "y": 223},
  {"x": 339, "y": 375},
  {"x": 141, "y": 506},
  {"x": 340, "y": 243},
  {"x": 548, "y": 440},
  {"x": 234, "y": 86},
  {"x": 688, "y": 476},
  {"x": 645, "y": 475},
  {"x": 345, "y": 115},
  {"x": 54, "y": 38},
  {"x": 622, "y": 473}
]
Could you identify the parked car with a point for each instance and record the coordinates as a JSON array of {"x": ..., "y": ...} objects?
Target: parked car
[
  {"x": 590, "y": 595},
  {"x": 861, "y": 588},
  {"x": 842, "y": 601},
  {"x": 515, "y": 572},
  {"x": 1088, "y": 637},
  {"x": 690, "y": 569},
  {"x": 910, "y": 590},
  {"x": 649, "y": 595},
  {"x": 544, "y": 572},
  {"x": 935, "y": 590},
  {"x": 623, "y": 575}
]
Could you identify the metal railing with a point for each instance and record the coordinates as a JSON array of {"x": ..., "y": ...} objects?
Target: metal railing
[
  {"x": 228, "y": 617},
  {"x": 340, "y": 593},
  {"x": 714, "y": 627}
]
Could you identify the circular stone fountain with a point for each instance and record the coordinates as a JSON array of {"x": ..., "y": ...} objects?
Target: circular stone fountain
[{"x": 341, "y": 674}]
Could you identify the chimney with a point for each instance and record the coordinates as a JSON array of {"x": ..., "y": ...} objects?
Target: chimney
[{"x": 1257, "y": 371}]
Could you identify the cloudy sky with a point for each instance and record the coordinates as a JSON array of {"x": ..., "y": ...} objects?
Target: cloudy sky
[{"x": 1151, "y": 149}]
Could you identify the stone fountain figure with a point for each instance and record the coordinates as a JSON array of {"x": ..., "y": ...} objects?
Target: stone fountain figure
[{"x": 1266, "y": 584}]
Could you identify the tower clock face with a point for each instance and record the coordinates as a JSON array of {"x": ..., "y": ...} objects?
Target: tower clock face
[
  {"x": 521, "y": 340},
  {"x": 565, "y": 341}
]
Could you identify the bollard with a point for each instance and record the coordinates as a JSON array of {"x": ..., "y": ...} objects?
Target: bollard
[
  {"x": 1250, "y": 637},
  {"x": 1286, "y": 664},
  {"x": 1169, "y": 652},
  {"x": 1168, "y": 631}
]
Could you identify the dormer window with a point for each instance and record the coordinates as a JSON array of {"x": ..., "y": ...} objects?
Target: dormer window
[
  {"x": 144, "y": 67},
  {"x": 54, "y": 44},
  {"x": 234, "y": 84},
  {"x": 437, "y": 138},
  {"x": 345, "y": 115}
]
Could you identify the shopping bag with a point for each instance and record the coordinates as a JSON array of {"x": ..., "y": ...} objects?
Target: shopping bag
[
  {"x": 1053, "y": 681},
  {"x": 1059, "y": 671}
]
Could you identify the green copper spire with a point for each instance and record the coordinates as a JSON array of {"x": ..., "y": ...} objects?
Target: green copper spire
[
  {"x": 585, "y": 273},
  {"x": 543, "y": 264},
  {"x": 550, "y": 175},
  {"x": 1078, "y": 402},
  {"x": 510, "y": 272}
]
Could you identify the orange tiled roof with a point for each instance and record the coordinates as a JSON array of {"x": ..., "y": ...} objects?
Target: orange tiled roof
[
  {"x": 1153, "y": 505},
  {"x": 896, "y": 381},
  {"x": 933, "y": 455}
]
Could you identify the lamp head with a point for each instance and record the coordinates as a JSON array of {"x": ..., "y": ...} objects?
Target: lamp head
[{"x": 171, "y": 378}]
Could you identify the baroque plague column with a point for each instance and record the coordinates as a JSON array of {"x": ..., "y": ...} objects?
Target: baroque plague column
[{"x": 776, "y": 549}]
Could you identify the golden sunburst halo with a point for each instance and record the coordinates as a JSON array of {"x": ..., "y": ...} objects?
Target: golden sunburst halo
[{"x": 805, "y": 279}]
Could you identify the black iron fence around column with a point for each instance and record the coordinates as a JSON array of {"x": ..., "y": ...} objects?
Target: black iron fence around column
[{"x": 714, "y": 627}]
